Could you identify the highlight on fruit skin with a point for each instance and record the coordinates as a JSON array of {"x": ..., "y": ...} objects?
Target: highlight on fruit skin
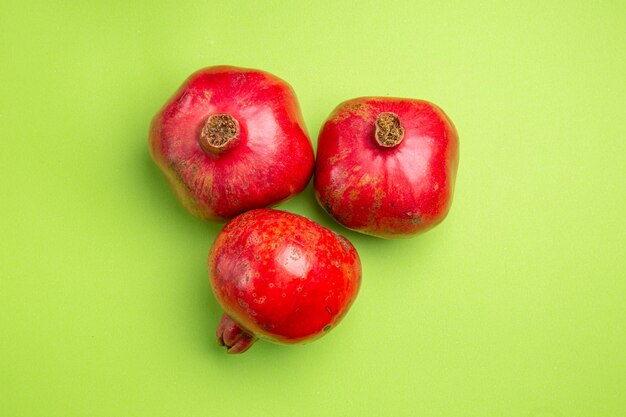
[
  {"x": 386, "y": 167},
  {"x": 230, "y": 140},
  {"x": 280, "y": 277}
]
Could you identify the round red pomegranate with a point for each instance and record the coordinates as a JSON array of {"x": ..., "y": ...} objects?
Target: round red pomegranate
[
  {"x": 230, "y": 140},
  {"x": 280, "y": 277},
  {"x": 386, "y": 166}
]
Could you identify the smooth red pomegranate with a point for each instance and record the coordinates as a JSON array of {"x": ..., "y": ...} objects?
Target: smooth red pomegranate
[
  {"x": 230, "y": 140},
  {"x": 386, "y": 166},
  {"x": 280, "y": 277}
]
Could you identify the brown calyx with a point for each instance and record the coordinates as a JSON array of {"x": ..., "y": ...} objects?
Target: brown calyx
[
  {"x": 389, "y": 130},
  {"x": 219, "y": 130}
]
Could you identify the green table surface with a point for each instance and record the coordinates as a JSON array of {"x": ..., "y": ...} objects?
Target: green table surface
[{"x": 514, "y": 306}]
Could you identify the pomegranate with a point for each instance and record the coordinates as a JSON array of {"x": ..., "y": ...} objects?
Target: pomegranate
[
  {"x": 386, "y": 166},
  {"x": 230, "y": 140},
  {"x": 280, "y": 277}
]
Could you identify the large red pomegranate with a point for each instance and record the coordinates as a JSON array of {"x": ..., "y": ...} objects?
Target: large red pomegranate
[
  {"x": 230, "y": 140},
  {"x": 280, "y": 277},
  {"x": 386, "y": 166}
]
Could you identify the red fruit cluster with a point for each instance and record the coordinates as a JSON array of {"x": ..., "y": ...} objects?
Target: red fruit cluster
[{"x": 232, "y": 141}]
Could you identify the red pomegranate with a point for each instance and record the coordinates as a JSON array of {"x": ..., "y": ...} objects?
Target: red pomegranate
[
  {"x": 386, "y": 166},
  {"x": 280, "y": 277},
  {"x": 230, "y": 140}
]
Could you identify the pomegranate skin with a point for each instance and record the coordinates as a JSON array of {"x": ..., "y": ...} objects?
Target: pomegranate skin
[
  {"x": 280, "y": 277},
  {"x": 391, "y": 180},
  {"x": 230, "y": 140}
]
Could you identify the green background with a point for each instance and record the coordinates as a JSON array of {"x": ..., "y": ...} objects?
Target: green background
[{"x": 514, "y": 306}]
